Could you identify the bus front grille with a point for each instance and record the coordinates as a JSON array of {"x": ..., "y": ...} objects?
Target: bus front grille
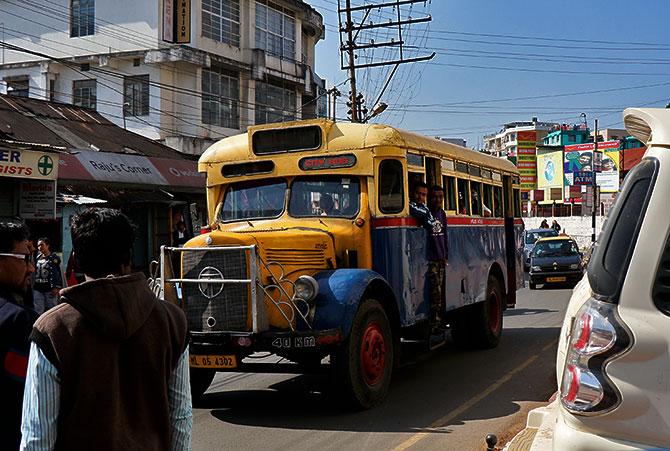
[{"x": 216, "y": 307}]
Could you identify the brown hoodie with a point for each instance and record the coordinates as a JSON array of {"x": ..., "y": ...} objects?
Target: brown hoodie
[{"x": 115, "y": 347}]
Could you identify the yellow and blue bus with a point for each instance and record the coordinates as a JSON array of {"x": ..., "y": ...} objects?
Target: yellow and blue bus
[{"x": 311, "y": 252}]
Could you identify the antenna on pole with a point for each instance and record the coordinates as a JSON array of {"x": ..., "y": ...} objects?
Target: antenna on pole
[{"x": 349, "y": 31}]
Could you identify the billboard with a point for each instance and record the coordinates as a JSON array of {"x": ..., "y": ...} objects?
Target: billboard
[
  {"x": 526, "y": 148},
  {"x": 550, "y": 170},
  {"x": 579, "y": 158},
  {"x": 608, "y": 177}
]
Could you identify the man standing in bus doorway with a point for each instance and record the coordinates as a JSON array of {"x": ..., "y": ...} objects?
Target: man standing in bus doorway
[
  {"x": 436, "y": 249},
  {"x": 437, "y": 255}
]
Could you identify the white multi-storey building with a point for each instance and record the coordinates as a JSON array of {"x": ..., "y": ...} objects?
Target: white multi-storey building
[
  {"x": 185, "y": 72},
  {"x": 504, "y": 143}
]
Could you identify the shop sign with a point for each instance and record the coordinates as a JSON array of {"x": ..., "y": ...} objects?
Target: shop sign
[
  {"x": 177, "y": 21},
  {"x": 28, "y": 164},
  {"x": 582, "y": 178},
  {"x": 37, "y": 199}
]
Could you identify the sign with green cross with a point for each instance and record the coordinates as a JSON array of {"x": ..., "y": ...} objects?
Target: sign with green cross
[{"x": 45, "y": 165}]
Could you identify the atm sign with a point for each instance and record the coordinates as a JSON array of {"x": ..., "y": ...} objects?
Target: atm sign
[{"x": 328, "y": 162}]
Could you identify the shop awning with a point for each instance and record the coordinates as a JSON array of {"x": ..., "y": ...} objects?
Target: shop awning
[{"x": 130, "y": 169}]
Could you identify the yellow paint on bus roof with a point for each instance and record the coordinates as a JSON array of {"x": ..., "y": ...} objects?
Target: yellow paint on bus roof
[{"x": 346, "y": 136}]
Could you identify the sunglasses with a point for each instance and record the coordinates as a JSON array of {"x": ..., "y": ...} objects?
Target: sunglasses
[{"x": 28, "y": 258}]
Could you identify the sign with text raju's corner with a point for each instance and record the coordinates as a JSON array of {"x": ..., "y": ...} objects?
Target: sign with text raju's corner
[
  {"x": 28, "y": 164},
  {"x": 177, "y": 21}
]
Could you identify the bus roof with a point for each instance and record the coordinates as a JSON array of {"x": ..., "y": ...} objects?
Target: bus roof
[{"x": 346, "y": 136}]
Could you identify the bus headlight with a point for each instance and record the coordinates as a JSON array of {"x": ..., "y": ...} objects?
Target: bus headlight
[{"x": 306, "y": 288}]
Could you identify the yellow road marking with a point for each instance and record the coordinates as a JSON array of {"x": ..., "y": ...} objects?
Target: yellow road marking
[{"x": 471, "y": 402}]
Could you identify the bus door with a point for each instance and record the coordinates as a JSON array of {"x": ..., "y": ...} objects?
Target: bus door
[{"x": 510, "y": 241}]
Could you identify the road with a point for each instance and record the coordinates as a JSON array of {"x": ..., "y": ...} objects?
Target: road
[{"x": 447, "y": 400}]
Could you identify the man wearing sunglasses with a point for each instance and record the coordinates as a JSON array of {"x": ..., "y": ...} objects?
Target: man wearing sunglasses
[{"x": 16, "y": 322}]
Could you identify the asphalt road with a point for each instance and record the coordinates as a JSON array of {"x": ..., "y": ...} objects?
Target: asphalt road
[{"x": 448, "y": 400}]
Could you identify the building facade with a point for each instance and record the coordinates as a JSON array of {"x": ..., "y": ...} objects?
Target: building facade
[
  {"x": 184, "y": 72},
  {"x": 505, "y": 142}
]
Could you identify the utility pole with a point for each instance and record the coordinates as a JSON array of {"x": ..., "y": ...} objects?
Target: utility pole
[
  {"x": 594, "y": 184},
  {"x": 349, "y": 32},
  {"x": 352, "y": 66}
]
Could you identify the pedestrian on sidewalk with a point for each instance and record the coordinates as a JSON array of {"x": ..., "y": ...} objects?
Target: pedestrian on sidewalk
[
  {"x": 544, "y": 224},
  {"x": 16, "y": 322},
  {"x": 556, "y": 226},
  {"x": 48, "y": 278},
  {"x": 108, "y": 366}
]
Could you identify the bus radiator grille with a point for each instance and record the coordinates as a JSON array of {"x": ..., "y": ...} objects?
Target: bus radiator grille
[{"x": 216, "y": 307}]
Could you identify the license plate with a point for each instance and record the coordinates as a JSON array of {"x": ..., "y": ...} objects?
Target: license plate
[
  {"x": 213, "y": 361},
  {"x": 555, "y": 279}
]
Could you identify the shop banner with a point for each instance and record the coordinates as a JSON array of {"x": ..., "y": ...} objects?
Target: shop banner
[
  {"x": 550, "y": 170},
  {"x": 28, "y": 164},
  {"x": 134, "y": 169},
  {"x": 37, "y": 199}
]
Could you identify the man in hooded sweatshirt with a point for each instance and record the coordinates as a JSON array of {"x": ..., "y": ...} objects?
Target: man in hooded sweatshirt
[{"x": 108, "y": 366}]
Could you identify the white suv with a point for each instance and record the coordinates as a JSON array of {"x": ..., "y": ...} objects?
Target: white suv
[{"x": 613, "y": 360}]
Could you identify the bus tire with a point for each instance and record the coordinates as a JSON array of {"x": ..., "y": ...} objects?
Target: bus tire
[
  {"x": 479, "y": 326},
  {"x": 201, "y": 379},
  {"x": 364, "y": 362}
]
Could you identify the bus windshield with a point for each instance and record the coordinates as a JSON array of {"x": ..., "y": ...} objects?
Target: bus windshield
[
  {"x": 254, "y": 200},
  {"x": 324, "y": 196},
  {"x": 333, "y": 196}
]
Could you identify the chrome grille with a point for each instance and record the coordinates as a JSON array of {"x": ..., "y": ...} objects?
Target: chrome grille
[{"x": 216, "y": 307}]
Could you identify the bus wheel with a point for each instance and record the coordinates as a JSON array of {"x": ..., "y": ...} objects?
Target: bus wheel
[
  {"x": 480, "y": 325},
  {"x": 364, "y": 363},
  {"x": 201, "y": 378}
]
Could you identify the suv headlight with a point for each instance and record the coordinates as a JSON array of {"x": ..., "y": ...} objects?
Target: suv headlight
[
  {"x": 306, "y": 288},
  {"x": 574, "y": 266},
  {"x": 535, "y": 268}
]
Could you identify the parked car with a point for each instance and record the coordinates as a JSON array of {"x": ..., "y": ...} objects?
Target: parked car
[
  {"x": 613, "y": 365},
  {"x": 530, "y": 236},
  {"x": 555, "y": 260}
]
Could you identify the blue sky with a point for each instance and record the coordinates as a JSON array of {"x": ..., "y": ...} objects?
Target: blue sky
[{"x": 621, "y": 47}]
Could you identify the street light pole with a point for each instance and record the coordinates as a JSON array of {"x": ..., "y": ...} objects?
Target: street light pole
[{"x": 594, "y": 184}]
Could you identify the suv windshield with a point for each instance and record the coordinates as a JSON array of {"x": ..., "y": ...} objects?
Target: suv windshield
[
  {"x": 557, "y": 248},
  {"x": 254, "y": 200},
  {"x": 324, "y": 196},
  {"x": 532, "y": 237}
]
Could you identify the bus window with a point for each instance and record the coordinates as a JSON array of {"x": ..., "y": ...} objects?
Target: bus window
[
  {"x": 497, "y": 202},
  {"x": 433, "y": 171},
  {"x": 324, "y": 196},
  {"x": 413, "y": 178},
  {"x": 487, "y": 205},
  {"x": 476, "y": 191},
  {"x": 391, "y": 196},
  {"x": 463, "y": 197},
  {"x": 449, "y": 193},
  {"x": 517, "y": 203}
]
